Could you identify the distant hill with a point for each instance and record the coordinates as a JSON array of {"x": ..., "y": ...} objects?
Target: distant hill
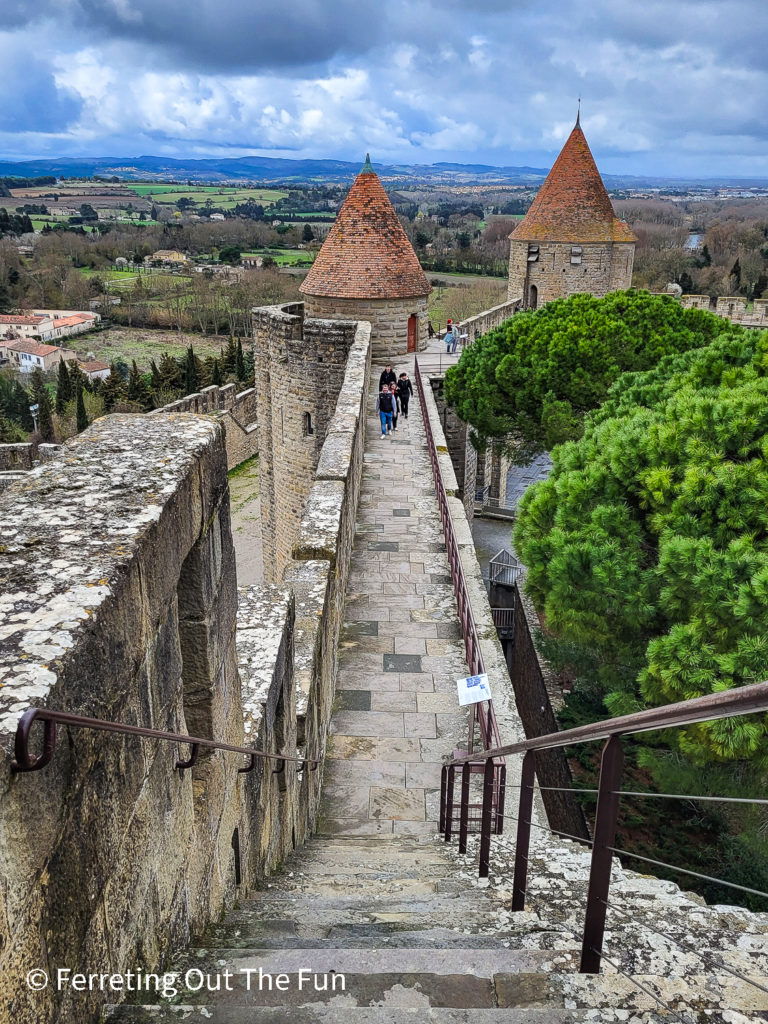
[{"x": 264, "y": 169}]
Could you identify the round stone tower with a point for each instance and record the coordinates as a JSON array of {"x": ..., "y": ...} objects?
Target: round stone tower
[
  {"x": 367, "y": 270},
  {"x": 570, "y": 240}
]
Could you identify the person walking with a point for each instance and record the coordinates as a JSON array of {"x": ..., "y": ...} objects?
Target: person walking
[
  {"x": 388, "y": 376},
  {"x": 455, "y": 341},
  {"x": 395, "y": 404},
  {"x": 448, "y": 339},
  {"x": 405, "y": 392},
  {"x": 385, "y": 405}
]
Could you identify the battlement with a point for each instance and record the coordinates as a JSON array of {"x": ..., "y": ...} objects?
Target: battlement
[
  {"x": 236, "y": 412},
  {"x": 730, "y": 307}
]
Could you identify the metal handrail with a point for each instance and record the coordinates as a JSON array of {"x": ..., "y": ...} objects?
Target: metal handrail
[
  {"x": 28, "y": 762},
  {"x": 492, "y": 816},
  {"x": 743, "y": 700}
]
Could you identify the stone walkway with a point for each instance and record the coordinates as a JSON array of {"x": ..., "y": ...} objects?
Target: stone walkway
[{"x": 396, "y": 713}]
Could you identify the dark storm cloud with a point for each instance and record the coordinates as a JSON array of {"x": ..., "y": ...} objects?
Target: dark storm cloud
[
  {"x": 33, "y": 101},
  {"x": 229, "y": 35}
]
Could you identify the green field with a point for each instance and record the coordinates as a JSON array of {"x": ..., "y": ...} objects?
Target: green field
[
  {"x": 286, "y": 257},
  {"x": 224, "y": 197}
]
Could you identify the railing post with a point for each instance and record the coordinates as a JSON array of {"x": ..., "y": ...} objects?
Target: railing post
[
  {"x": 464, "y": 807},
  {"x": 522, "y": 846},
  {"x": 449, "y": 803},
  {"x": 606, "y": 817},
  {"x": 443, "y": 795},
  {"x": 486, "y": 822}
]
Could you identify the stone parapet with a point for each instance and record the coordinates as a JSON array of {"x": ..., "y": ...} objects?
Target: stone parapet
[
  {"x": 481, "y": 323},
  {"x": 235, "y": 410},
  {"x": 119, "y": 602}
]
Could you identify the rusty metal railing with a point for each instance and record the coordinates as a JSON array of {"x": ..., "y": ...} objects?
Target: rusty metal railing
[
  {"x": 488, "y": 816},
  {"x": 744, "y": 700},
  {"x": 25, "y": 761}
]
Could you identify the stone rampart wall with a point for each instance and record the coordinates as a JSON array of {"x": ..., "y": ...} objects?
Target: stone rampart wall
[
  {"x": 301, "y": 366},
  {"x": 730, "y": 307},
  {"x": 483, "y": 322},
  {"x": 236, "y": 411},
  {"x": 119, "y": 602}
]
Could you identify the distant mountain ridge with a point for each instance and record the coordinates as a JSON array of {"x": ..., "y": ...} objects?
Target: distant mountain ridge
[{"x": 275, "y": 169}]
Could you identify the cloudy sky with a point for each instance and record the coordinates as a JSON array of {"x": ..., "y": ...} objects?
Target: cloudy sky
[{"x": 667, "y": 86}]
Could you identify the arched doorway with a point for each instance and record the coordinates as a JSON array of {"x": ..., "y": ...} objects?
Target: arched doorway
[
  {"x": 413, "y": 332},
  {"x": 533, "y": 297}
]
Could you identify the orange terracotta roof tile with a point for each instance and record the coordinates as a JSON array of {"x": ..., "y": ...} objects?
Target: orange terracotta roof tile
[
  {"x": 367, "y": 254},
  {"x": 573, "y": 205}
]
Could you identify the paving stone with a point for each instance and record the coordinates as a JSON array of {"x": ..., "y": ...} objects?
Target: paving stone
[
  {"x": 445, "y": 703},
  {"x": 397, "y": 804},
  {"x": 366, "y": 723},
  {"x": 425, "y": 775},
  {"x": 364, "y": 772},
  {"x": 408, "y": 645},
  {"x": 354, "y": 700},
  {"x": 352, "y": 680},
  {"x": 402, "y": 663},
  {"x": 405, "y": 749},
  {"x": 383, "y": 545},
  {"x": 391, "y": 701},
  {"x": 354, "y": 799},
  {"x": 402, "y": 513},
  {"x": 415, "y": 724},
  {"x": 353, "y": 747},
  {"x": 417, "y": 681},
  {"x": 360, "y": 627}
]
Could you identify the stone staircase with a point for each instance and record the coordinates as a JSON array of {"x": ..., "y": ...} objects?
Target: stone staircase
[{"x": 416, "y": 938}]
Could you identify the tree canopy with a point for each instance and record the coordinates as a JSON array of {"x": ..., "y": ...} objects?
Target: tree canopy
[
  {"x": 647, "y": 547},
  {"x": 536, "y": 375}
]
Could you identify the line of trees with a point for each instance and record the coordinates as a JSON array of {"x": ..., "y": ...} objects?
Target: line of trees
[{"x": 68, "y": 400}]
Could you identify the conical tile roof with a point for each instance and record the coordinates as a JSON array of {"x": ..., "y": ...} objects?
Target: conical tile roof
[
  {"x": 573, "y": 205},
  {"x": 367, "y": 254}
]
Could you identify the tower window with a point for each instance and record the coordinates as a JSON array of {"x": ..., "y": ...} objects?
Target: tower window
[
  {"x": 575, "y": 254},
  {"x": 533, "y": 253},
  {"x": 308, "y": 428}
]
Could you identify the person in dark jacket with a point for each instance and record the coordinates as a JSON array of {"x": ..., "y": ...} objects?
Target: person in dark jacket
[
  {"x": 386, "y": 403},
  {"x": 404, "y": 391},
  {"x": 395, "y": 398},
  {"x": 388, "y": 376}
]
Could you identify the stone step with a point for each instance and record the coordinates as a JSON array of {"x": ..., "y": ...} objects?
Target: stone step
[
  {"x": 406, "y": 989},
  {"x": 285, "y": 935},
  {"x": 375, "y": 885},
  {"x": 379, "y": 960},
  {"x": 432, "y": 910},
  {"x": 319, "y": 1014}
]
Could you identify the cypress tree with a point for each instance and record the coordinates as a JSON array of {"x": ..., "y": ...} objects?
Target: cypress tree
[
  {"x": 63, "y": 387},
  {"x": 19, "y": 409},
  {"x": 229, "y": 358},
  {"x": 190, "y": 373},
  {"x": 216, "y": 377},
  {"x": 157, "y": 380},
  {"x": 170, "y": 374},
  {"x": 82, "y": 415},
  {"x": 137, "y": 390},
  {"x": 240, "y": 362},
  {"x": 44, "y": 407},
  {"x": 112, "y": 389}
]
